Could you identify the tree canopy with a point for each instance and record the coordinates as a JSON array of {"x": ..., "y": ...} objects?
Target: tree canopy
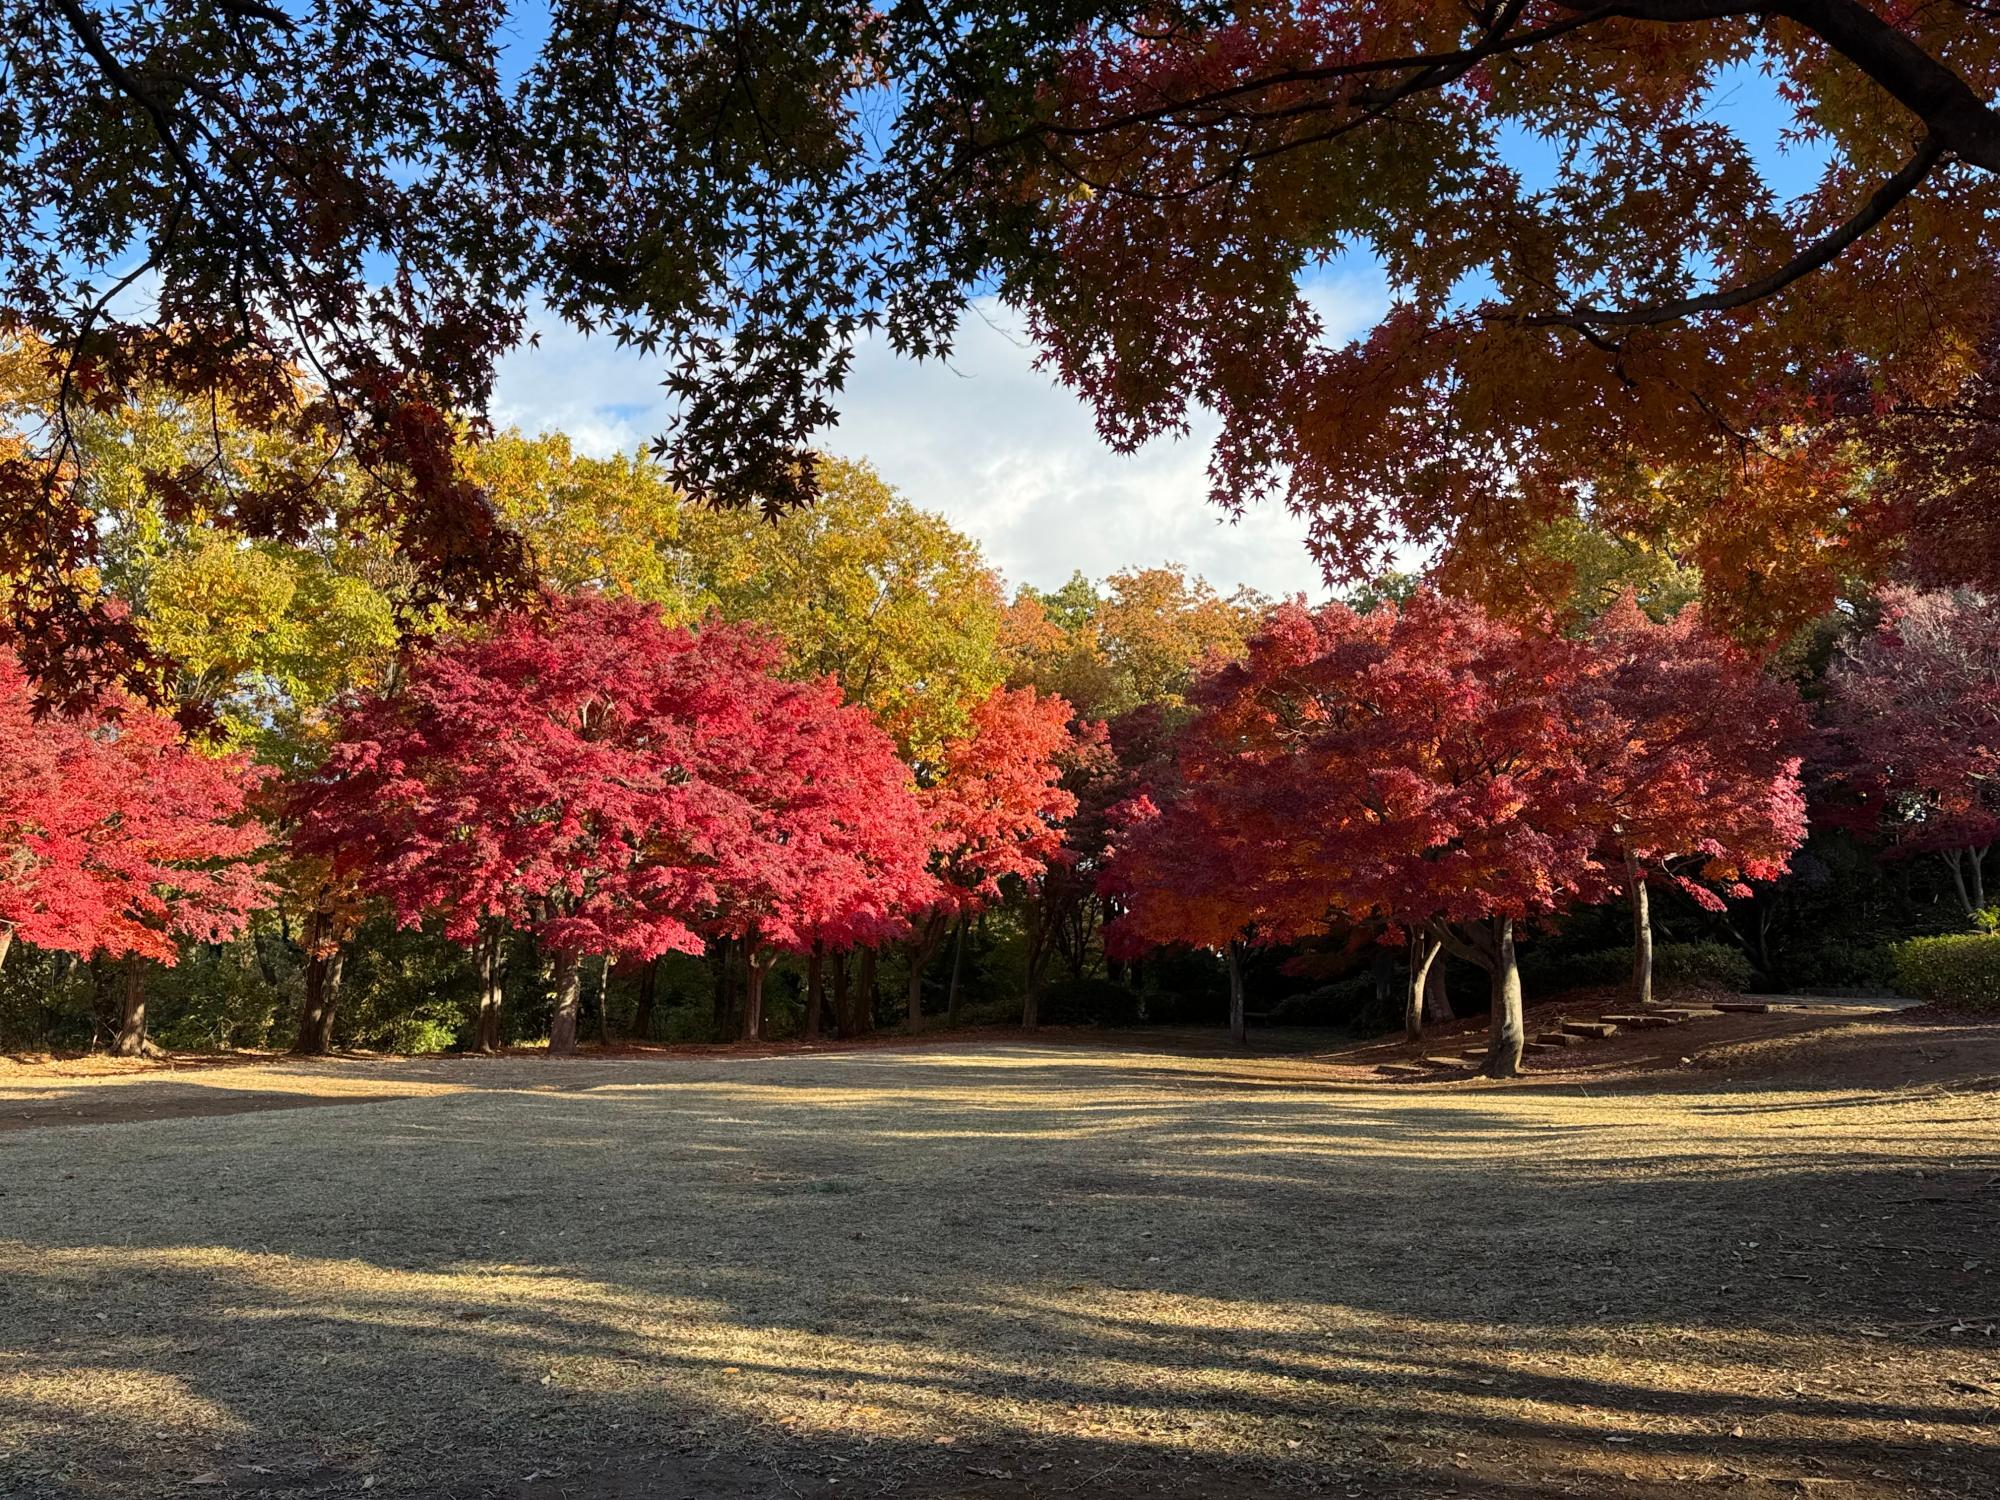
[{"x": 336, "y": 217}]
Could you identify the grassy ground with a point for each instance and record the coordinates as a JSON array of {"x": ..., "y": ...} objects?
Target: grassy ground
[{"x": 1005, "y": 1270}]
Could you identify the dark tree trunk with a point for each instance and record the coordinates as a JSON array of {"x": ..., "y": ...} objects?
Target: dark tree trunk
[
  {"x": 1239, "y": 1023},
  {"x": 722, "y": 958},
  {"x": 569, "y": 993},
  {"x": 1509, "y": 1029},
  {"x": 325, "y": 960},
  {"x": 492, "y": 987},
  {"x": 923, "y": 948},
  {"x": 957, "y": 965},
  {"x": 1642, "y": 934},
  {"x": 1423, "y": 955},
  {"x": 815, "y": 989},
  {"x": 1040, "y": 946},
  {"x": 131, "y": 1038},
  {"x": 6, "y": 941},
  {"x": 649, "y": 991}
]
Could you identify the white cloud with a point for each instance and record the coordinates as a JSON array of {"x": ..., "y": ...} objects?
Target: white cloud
[{"x": 988, "y": 441}]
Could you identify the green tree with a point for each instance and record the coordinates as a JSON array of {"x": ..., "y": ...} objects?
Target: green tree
[{"x": 889, "y": 599}]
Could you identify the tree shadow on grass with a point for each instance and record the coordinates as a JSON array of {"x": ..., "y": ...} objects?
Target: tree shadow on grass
[{"x": 748, "y": 1287}]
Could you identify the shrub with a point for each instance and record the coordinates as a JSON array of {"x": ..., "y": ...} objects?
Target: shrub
[
  {"x": 1837, "y": 964},
  {"x": 1714, "y": 965},
  {"x": 1961, "y": 969},
  {"x": 1093, "y": 1002},
  {"x": 1341, "y": 1003}
]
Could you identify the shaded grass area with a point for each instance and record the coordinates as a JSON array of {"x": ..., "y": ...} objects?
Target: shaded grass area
[{"x": 999, "y": 1270}]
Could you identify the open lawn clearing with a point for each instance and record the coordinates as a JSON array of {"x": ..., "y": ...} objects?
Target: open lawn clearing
[{"x": 1000, "y": 1270}]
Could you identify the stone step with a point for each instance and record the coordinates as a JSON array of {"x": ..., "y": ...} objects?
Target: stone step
[
  {"x": 1446, "y": 1062},
  {"x": 1598, "y": 1029},
  {"x": 1539, "y": 1045},
  {"x": 1557, "y": 1039},
  {"x": 1645, "y": 1020},
  {"x": 1677, "y": 1014},
  {"x": 1750, "y": 1007}
]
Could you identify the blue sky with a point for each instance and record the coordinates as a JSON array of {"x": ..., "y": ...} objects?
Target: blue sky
[{"x": 1011, "y": 459}]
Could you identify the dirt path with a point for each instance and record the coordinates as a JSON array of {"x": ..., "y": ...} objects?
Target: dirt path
[{"x": 1005, "y": 1271}]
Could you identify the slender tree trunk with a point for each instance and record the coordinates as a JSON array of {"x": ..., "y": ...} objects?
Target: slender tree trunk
[
  {"x": 1954, "y": 861},
  {"x": 815, "y": 989},
  {"x": 1642, "y": 934},
  {"x": 131, "y": 1039},
  {"x": 6, "y": 941},
  {"x": 1979, "y": 877},
  {"x": 759, "y": 962},
  {"x": 1239, "y": 1023},
  {"x": 957, "y": 964},
  {"x": 1509, "y": 1032},
  {"x": 604, "y": 999},
  {"x": 569, "y": 994},
  {"x": 1423, "y": 953}
]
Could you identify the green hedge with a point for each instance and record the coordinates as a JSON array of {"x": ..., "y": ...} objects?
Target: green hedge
[{"x": 1961, "y": 969}]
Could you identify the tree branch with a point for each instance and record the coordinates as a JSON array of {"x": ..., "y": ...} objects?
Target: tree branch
[{"x": 1812, "y": 258}]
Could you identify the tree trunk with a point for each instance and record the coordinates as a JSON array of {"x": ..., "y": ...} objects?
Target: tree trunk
[
  {"x": 1509, "y": 1030},
  {"x": 604, "y": 1000},
  {"x": 131, "y": 1039},
  {"x": 1423, "y": 953},
  {"x": 759, "y": 961},
  {"x": 569, "y": 993},
  {"x": 492, "y": 987},
  {"x": 6, "y": 941},
  {"x": 957, "y": 964},
  {"x": 649, "y": 991},
  {"x": 322, "y": 1003},
  {"x": 325, "y": 959},
  {"x": 1239, "y": 1024},
  {"x": 1437, "y": 999},
  {"x": 1955, "y": 862},
  {"x": 815, "y": 989},
  {"x": 1642, "y": 934}
]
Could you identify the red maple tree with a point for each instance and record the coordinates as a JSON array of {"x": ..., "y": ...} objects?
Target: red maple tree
[
  {"x": 1702, "y": 779},
  {"x": 997, "y": 806},
  {"x": 120, "y": 840},
  {"x": 830, "y": 847},
  {"x": 1913, "y": 729},
  {"x": 610, "y": 785},
  {"x": 1418, "y": 767},
  {"x": 549, "y": 776}
]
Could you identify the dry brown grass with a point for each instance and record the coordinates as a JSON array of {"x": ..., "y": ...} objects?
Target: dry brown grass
[{"x": 1002, "y": 1270}]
